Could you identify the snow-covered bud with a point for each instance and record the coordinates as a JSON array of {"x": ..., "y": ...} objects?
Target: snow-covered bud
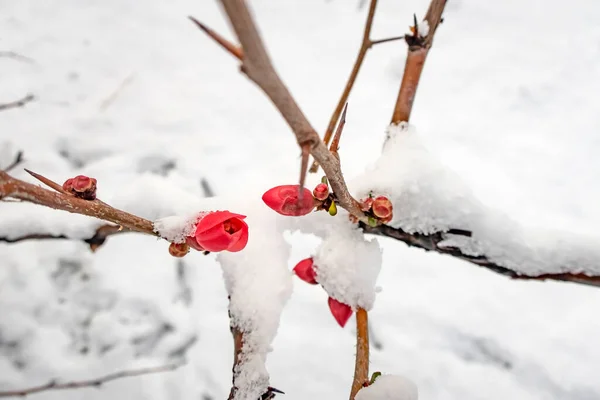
[
  {"x": 285, "y": 200},
  {"x": 382, "y": 208},
  {"x": 321, "y": 191},
  {"x": 220, "y": 231},
  {"x": 305, "y": 270},
  {"x": 340, "y": 311},
  {"x": 178, "y": 249}
]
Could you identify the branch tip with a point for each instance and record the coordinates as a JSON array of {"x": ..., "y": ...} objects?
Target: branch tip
[{"x": 231, "y": 48}]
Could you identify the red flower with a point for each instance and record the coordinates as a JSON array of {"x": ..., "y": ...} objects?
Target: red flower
[
  {"x": 340, "y": 311},
  {"x": 220, "y": 230},
  {"x": 81, "y": 186},
  {"x": 284, "y": 200},
  {"x": 305, "y": 270}
]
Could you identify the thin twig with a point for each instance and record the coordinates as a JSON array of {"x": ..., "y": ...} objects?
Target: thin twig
[
  {"x": 16, "y": 56},
  {"x": 361, "y": 366},
  {"x": 418, "y": 48},
  {"x": 113, "y": 96},
  {"x": 18, "y": 160},
  {"x": 95, "y": 241},
  {"x": 257, "y": 66},
  {"x": 96, "y": 383},
  {"x": 18, "y": 189},
  {"x": 18, "y": 103},
  {"x": 224, "y": 43},
  {"x": 362, "y": 52},
  {"x": 431, "y": 243},
  {"x": 391, "y": 39}
]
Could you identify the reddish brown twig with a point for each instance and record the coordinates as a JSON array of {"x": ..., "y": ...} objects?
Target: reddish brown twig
[
  {"x": 361, "y": 366},
  {"x": 18, "y": 103},
  {"x": 257, "y": 66},
  {"x": 97, "y": 382},
  {"x": 95, "y": 241},
  {"x": 238, "y": 343},
  {"x": 17, "y": 189},
  {"x": 418, "y": 47}
]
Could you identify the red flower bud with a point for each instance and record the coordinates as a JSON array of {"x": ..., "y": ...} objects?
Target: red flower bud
[
  {"x": 382, "y": 208},
  {"x": 285, "y": 201},
  {"x": 81, "y": 186},
  {"x": 221, "y": 230},
  {"x": 178, "y": 249},
  {"x": 321, "y": 191},
  {"x": 305, "y": 270},
  {"x": 366, "y": 204},
  {"x": 340, "y": 311}
]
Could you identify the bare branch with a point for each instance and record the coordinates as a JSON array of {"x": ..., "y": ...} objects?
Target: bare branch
[
  {"x": 418, "y": 47},
  {"x": 387, "y": 40},
  {"x": 431, "y": 243},
  {"x": 257, "y": 65},
  {"x": 362, "y": 52},
  {"x": 16, "y": 56},
  {"x": 53, "y": 385},
  {"x": 361, "y": 366},
  {"x": 95, "y": 241},
  {"x": 335, "y": 144},
  {"x": 18, "y": 189},
  {"x": 18, "y": 160},
  {"x": 18, "y": 103}
]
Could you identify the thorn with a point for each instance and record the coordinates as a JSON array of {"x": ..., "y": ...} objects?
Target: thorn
[
  {"x": 335, "y": 143},
  {"x": 390, "y": 39},
  {"x": 234, "y": 50},
  {"x": 416, "y": 31},
  {"x": 272, "y": 389},
  {"x": 47, "y": 181}
]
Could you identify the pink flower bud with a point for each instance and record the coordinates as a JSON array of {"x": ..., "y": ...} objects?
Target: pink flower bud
[
  {"x": 366, "y": 204},
  {"x": 284, "y": 200},
  {"x": 179, "y": 249},
  {"x": 321, "y": 191},
  {"x": 340, "y": 311},
  {"x": 81, "y": 186},
  {"x": 221, "y": 230},
  {"x": 68, "y": 185},
  {"x": 382, "y": 208},
  {"x": 305, "y": 270}
]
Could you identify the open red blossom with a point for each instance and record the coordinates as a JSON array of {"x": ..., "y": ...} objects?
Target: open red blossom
[
  {"x": 340, "y": 311},
  {"x": 305, "y": 270},
  {"x": 219, "y": 231},
  {"x": 382, "y": 208},
  {"x": 284, "y": 200}
]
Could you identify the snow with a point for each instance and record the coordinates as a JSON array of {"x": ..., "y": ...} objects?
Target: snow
[
  {"x": 423, "y": 28},
  {"x": 348, "y": 265},
  {"x": 176, "y": 228},
  {"x": 516, "y": 124},
  {"x": 389, "y": 387}
]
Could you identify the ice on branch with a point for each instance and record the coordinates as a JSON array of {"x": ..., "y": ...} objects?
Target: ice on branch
[{"x": 389, "y": 387}]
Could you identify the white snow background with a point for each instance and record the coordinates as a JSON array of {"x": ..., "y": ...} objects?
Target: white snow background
[{"x": 506, "y": 101}]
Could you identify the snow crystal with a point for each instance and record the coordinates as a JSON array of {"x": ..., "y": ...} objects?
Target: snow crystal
[
  {"x": 348, "y": 264},
  {"x": 389, "y": 387},
  {"x": 259, "y": 284}
]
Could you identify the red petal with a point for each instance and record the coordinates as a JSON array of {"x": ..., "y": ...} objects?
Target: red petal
[
  {"x": 305, "y": 270},
  {"x": 191, "y": 241},
  {"x": 214, "y": 218},
  {"x": 340, "y": 311},
  {"x": 284, "y": 200},
  {"x": 218, "y": 239},
  {"x": 241, "y": 238}
]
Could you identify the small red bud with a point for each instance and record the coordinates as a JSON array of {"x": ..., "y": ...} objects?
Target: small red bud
[
  {"x": 340, "y": 311},
  {"x": 179, "y": 249},
  {"x": 366, "y": 204},
  {"x": 382, "y": 208},
  {"x": 81, "y": 186},
  {"x": 285, "y": 200},
  {"x": 68, "y": 185},
  {"x": 305, "y": 270},
  {"x": 321, "y": 191}
]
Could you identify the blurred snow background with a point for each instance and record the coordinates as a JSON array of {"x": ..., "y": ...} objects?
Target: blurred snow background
[{"x": 507, "y": 101}]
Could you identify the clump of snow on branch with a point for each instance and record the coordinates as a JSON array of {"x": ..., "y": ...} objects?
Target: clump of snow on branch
[
  {"x": 259, "y": 284},
  {"x": 176, "y": 228},
  {"x": 389, "y": 387},
  {"x": 423, "y": 28},
  {"x": 428, "y": 198}
]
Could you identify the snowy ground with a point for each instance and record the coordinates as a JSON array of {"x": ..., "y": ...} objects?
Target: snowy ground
[{"x": 507, "y": 101}]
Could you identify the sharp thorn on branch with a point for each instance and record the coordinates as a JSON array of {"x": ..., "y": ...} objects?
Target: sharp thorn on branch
[
  {"x": 234, "y": 50},
  {"x": 335, "y": 143},
  {"x": 46, "y": 181}
]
